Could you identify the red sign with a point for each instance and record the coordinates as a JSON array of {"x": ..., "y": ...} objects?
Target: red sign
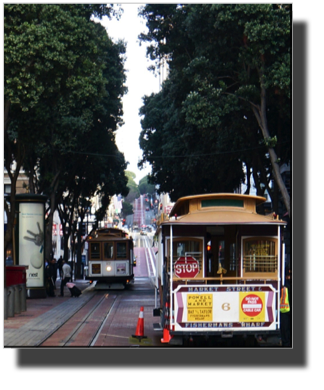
[
  {"x": 252, "y": 305},
  {"x": 186, "y": 267}
]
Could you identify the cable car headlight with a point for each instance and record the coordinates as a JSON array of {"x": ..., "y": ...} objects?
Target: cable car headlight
[{"x": 109, "y": 268}]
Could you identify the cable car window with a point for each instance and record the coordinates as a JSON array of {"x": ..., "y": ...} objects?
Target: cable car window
[
  {"x": 109, "y": 250},
  {"x": 95, "y": 250},
  {"x": 183, "y": 247},
  {"x": 222, "y": 203},
  {"x": 186, "y": 247},
  {"x": 121, "y": 250},
  {"x": 260, "y": 255}
]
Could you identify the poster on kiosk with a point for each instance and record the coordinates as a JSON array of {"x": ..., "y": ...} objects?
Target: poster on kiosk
[{"x": 31, "y": 240}]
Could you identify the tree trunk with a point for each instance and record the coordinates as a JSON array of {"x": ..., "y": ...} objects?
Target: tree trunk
[
  {"x": 261, "y": 116},
  {"x": 48, "y": 242}
]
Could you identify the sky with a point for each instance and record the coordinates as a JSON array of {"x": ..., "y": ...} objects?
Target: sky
[{"x": 139, "y": 81}]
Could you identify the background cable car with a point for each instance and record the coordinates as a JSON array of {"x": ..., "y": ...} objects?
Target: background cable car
[{"x": 111, "y": 258}]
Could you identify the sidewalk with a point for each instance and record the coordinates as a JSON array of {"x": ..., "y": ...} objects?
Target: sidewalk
[{"x": 43, "y": 316}]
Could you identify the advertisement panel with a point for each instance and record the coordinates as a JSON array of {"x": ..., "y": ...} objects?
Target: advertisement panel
[
  {"x": 31, "y": 242},
  {"x": 220, "y": 308}
]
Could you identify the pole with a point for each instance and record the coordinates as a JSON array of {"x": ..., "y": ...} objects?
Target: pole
[{"x": 171, "y": 275}]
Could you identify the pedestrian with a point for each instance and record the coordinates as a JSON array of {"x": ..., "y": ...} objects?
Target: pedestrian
[
  {"x": 285, "y": 315},
  {"x": 60, "y": 265},
  {"x": 66, "y": 276},
  {"x": 49, "y": 281},
  {"x": 53, "y": 268}
]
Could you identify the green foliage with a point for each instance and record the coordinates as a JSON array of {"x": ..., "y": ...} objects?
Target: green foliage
[
  {"x": 132, "y": 187},
  {"x": 270, "y": 142},
  {"x": 200, "y": 129},
  {"x": 145, "y": 187},
  {"x": 127, "y": 209},
  {"x": 64, "y": 80}
]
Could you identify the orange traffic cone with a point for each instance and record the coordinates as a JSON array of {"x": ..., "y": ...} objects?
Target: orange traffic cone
[
  {"x": 139, "y": 333},
  {"x": 166, "y": 336},
  {"x": 166, "y": 331}
]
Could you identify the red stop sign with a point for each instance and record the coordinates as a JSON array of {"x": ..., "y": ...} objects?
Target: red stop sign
[{"x": 186, "y": 267}]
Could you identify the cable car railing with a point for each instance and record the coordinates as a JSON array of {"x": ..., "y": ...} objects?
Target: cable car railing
[
  {"x": 255, "y": 268},
  {"x": 252, "y": 263}
]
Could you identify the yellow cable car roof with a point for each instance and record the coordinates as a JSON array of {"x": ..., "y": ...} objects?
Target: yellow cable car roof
[{"x": 218, "y": 209}]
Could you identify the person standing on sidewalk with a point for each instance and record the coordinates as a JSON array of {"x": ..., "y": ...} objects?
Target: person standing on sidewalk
[
  {"x": 49, "y": 281},
  {"x": 53, "y": 269},
  {"x": 66, "y": 276},
  {"x": 60, "y": 265}
]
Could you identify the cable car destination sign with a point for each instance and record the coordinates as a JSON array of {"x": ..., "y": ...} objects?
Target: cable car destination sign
[
  {"x": 186, "y": 267},
  {"x": 217, "y": 307}
]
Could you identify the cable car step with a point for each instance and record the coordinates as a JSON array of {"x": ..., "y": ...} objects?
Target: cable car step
[{"x": 157, "y": 327}]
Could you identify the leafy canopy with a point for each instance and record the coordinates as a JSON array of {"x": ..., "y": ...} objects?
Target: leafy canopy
[
  {"x": 200, "y": 131},
  {"x": 64, "y": 80}
]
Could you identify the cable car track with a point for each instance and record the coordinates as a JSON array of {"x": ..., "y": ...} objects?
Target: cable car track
[{"x": 84, "y": 326}]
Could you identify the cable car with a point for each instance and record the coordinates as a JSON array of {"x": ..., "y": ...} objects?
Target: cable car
[
  {"x": 111, "y": 258},
  {"x": 220, "y": 268}
]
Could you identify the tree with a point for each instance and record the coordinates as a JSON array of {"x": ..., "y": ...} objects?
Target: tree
[
  {"x": 145, "y": 187},
  {"x": 180, "y": 164},
  {"x": 127, "y": 209},
  {"x": 229, "y": 88},
  {"x": 63, "y": 80},
  {"x": 132, "y": 186}
]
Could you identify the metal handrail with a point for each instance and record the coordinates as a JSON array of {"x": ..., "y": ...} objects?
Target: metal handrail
[
  {"x": 265, "y": 263},
  {"x": 222, "y": 279}
]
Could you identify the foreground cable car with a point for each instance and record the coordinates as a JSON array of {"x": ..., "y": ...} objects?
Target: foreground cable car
[
  {"x": 220, "y": 269},
  {"x": 110, "y": 258}
]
